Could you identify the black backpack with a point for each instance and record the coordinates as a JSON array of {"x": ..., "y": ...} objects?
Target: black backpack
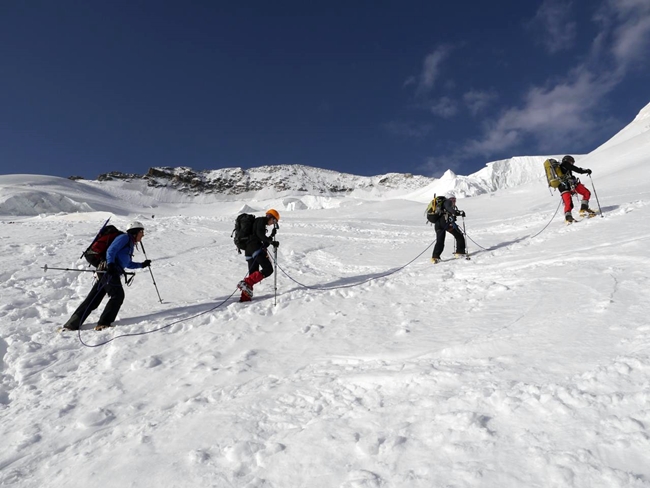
[
  {"x": 243, "y": 230},
  {"x": 435, "y": 208},
  {"x": 96, "y": 252}
]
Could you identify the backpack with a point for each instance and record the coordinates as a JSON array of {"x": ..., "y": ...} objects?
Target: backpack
[
  {"x": 96, "y": 252},
  {"x": 554, "y": 173},
  {"x": 435, "y": 208},
  {"x": 243, "y": 230}
]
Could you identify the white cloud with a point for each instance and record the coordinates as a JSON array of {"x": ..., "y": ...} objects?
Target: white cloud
[
  {"x": 631, "y": 34},
  {"x": 568, "y": 111},
  {"x": 552, "y": 26},
  {"x": 556, "y": 116},
  {"x": 478, "y": 100},
  {"x": 431, "y": 69},
  {"x": 411, "y": 80},
  {"x": 444, "y": 107},
  {"x": 562, "y": 112}
]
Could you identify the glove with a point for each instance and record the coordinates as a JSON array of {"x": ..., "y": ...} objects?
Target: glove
[
  {"x": 146, "y": 263},
  {"x": 112, "y": 269},
  {"x": 588, "y": 171},
  {"x": 275, "y": 243},
  {"x": 461, "y": 213}
]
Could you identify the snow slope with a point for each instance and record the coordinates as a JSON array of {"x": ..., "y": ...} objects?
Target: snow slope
[{"x": 527, "y": 366}]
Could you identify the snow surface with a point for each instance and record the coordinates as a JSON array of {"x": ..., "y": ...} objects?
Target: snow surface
[{"x": 528, "y": 366}]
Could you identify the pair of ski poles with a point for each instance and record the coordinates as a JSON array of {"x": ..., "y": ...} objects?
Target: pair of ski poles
[{"x": 46, "y": 267}]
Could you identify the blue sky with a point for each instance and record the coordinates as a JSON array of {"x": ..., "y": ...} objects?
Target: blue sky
[{"x": 365, "y": 87}]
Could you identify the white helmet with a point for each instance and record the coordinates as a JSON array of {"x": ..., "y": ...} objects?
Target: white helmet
[
  {"x": 450, "y": 195},
  {"x": 135, "y": 225}
]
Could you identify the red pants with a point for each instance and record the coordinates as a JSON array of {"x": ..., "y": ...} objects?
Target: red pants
[{"x": 566, "y": 196}]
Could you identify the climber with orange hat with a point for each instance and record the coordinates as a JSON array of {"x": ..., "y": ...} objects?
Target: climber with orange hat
[{"x": 256, "y": 253}]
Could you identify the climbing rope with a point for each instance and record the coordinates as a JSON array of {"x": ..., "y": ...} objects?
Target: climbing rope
[
  {"x": 134, "y": 334},
  {"x": 529, "y": 237},
  {"x": 350, "y": 285}
]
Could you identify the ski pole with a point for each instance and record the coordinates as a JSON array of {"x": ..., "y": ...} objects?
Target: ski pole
[
  {"x": 151, "y": 272},
  {"x": 275, "y": 279},
  {"x": 466, "y": 238},
  {"x": 46, "y": 267},
  {"x": 596, "y": 195}
]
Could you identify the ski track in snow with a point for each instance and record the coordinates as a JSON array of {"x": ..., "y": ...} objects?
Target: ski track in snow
[{"x": 527, "y": 366}]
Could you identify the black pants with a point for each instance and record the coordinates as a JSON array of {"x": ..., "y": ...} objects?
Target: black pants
[
  {"x": 108, "y": 285},
  {"x": 441, "y": 232},
  {"x": 261, "y": 260}
]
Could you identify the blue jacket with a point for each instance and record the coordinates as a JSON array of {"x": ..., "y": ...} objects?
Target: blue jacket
[{"x": 120, "y": 252}]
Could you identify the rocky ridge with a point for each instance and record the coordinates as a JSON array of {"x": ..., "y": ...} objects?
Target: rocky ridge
[{"x": 300, "y": 178}]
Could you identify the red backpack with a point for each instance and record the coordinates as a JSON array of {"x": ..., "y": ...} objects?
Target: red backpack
[{"x": 96, "y": 252}]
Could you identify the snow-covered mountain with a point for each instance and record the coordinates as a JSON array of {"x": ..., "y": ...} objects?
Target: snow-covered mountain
[
  {"x": 278, "y": 179},
  {"x": 367, "y": 367},
  {"x": 289, "y": 187},
  {"x": 300, "y": 179},
  {"x": 296, "y": 187}
]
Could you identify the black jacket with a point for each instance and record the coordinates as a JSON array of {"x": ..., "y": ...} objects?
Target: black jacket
[
  {"x": 450, "y": 209},
  {"x": 569, "y": 181},
  {"x": 258, "y": 238},
  {"x": 446, "y": 217},
  {"x": 568, "y": 168}
]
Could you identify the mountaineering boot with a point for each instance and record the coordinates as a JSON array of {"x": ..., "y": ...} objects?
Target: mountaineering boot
[
  {"x": 585, "y": 211},
  {"x": 458, "y": 255},
  {"x": 72, "y": 323},
  {"x": 435, "y": 260},
  {"x": 246, "y": 289},
  {"x": 569, "y": 218},
  {"x": 103, "y": 326},
  {"x": 246, "y": 285}
]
